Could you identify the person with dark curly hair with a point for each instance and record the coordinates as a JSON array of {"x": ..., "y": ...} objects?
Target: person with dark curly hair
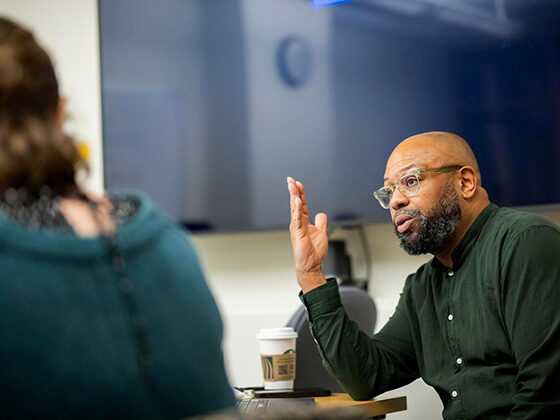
[{"x": 104, "y": 310}]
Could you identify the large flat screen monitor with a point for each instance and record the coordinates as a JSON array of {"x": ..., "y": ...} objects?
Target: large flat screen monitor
[{"x": 209, "y": 104}]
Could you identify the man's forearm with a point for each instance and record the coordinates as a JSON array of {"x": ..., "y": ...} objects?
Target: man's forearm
[{"x": 365, "y": 366}]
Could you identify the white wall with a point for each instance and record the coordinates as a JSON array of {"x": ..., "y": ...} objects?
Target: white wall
[
  {"x": 68, "y": 30},
  {"x": 251, "y": 274}
]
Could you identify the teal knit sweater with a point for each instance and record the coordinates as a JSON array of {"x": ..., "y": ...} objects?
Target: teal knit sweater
[{"x": 67, "y": 345}]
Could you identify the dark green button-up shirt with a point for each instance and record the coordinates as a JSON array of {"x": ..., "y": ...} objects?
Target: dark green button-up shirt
[{"x": 485, "y": 333}]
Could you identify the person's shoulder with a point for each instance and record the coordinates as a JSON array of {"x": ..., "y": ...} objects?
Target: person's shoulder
[
  {"x": 511, "y": 229},
  {"x": 515, "y": 222},
  {"x": 128, "y": 195},
  {"x": 140, "y": 219},
  {"x": 131, "y": 204}
]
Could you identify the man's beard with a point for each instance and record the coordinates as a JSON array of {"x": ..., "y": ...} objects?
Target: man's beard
[{"x": 435, "y": 228}]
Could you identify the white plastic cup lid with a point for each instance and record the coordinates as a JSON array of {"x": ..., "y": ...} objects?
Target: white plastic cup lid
[{"x": 276, "y": 333}]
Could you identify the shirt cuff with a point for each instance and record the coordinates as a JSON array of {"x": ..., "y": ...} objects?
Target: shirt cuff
[{"x": 322, "y": 299}]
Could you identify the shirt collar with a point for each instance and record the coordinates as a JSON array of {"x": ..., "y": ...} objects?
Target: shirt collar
[{"x": 467, "y": 242}]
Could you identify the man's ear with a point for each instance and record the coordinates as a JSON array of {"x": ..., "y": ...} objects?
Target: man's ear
[
  {"x": 469, "y": 182},
  {"x": 60, "y": 111}
]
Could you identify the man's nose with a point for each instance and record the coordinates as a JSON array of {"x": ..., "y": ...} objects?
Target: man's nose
[{"x": 398, "y": 200}]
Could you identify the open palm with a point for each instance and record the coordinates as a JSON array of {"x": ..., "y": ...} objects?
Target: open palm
[{"x": 309, "y": 242}]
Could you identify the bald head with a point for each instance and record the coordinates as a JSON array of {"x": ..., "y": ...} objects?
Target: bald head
[
  {"x": 433, "y": 213},
  {"x": 435, "y": 149}
]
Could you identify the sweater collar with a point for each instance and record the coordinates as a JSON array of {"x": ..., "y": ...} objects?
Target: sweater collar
[{"x": 142, "y": 227}]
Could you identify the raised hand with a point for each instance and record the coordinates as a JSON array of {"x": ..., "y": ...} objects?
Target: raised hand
[{"x": 309, "y": 242}]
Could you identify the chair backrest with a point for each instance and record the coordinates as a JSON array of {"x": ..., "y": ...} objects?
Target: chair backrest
[{"x": 310, "y": 372}]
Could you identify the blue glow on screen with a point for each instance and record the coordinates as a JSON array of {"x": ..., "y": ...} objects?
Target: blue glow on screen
[{"x": 322, "y": 3}]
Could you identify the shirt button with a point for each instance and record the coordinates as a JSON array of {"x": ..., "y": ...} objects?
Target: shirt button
[
  {"x": 454, "y": 394},
  {"x": 450, "y": 317},
  {"x": 450, "y": 274},
  {"x": 459, "y": 360}
]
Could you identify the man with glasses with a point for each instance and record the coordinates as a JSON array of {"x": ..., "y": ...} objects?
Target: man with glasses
[{"x": 480, "y": 322}]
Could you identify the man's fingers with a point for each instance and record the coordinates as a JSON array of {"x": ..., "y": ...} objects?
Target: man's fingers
[
  {"x": 300, "y": 218},
  {"x": 302, "y": 196},
  {"x": 294, "y": 193},
  {"x": 297, "y": 210},
  {"x": 293, "y": 190},
  {"x": 301, "y": 192},
  {"x": 321, "y": 222}
]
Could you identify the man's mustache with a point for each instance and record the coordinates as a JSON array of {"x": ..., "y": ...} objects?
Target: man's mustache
[{"x": 412, "y": 213}]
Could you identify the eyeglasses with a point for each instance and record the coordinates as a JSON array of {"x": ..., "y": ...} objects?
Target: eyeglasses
[{"x": 408, "y": 184}]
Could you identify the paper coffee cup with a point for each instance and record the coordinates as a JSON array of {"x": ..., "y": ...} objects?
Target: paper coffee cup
[{"x": 278, "y": 357}]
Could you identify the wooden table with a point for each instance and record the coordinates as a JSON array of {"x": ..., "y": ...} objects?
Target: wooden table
[{"x": 373, "y": 408}]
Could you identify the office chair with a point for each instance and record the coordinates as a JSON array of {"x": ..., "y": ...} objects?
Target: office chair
[{"x": 310, "y": 372}]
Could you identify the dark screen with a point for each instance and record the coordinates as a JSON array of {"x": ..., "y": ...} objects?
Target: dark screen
[{"x": 209, "y": 104}]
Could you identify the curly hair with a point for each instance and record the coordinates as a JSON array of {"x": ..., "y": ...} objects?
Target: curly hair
[{"x": 34, "y": 152}]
